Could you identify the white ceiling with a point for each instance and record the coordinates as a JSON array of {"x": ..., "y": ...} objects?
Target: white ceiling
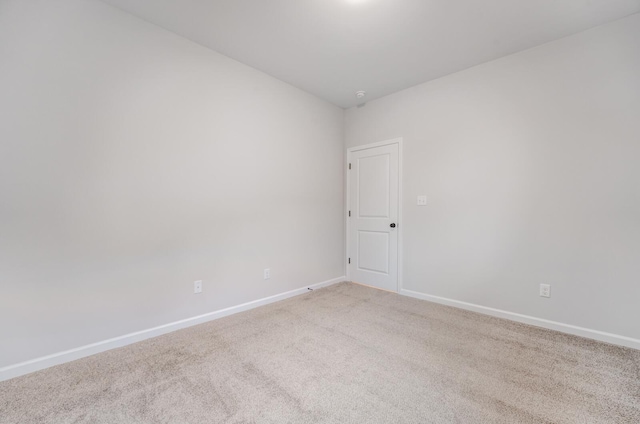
[{"x": 333, "y": 48}]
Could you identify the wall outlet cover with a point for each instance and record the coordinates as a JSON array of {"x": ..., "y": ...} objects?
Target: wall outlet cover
[
  {"x": 422, "y": 200},
  {"x": 545, "y": 290}
]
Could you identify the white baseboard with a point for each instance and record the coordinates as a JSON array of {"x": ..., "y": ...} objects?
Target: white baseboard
[
  {"x": 37, "y": 364},
  {"x": 526, "y": 319}
]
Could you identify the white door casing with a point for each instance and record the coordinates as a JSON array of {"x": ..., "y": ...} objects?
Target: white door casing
[{"x": 373, "y": 186}]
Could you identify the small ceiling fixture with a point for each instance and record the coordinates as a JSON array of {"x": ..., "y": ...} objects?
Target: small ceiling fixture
[{"x": 360, "y": 94}]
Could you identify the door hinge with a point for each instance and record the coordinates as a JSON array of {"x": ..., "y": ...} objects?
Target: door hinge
[
  {"x": 349, "y": 260},
  {"x": 349, "y": 166},
  {"x": 349, "y": 213}
]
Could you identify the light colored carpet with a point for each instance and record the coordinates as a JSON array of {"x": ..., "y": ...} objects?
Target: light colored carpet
[{"x": 343, "y": 354}]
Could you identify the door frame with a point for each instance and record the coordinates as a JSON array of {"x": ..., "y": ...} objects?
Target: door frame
[{"x": 400, "y": 226}]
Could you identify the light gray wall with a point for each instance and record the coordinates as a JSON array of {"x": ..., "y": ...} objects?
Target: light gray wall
[
  {"x": 531, "y": 165},
  {"x": 133, "y": 162}
]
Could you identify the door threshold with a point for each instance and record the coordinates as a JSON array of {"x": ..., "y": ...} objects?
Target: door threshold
[{"x": 374, "y": 287}]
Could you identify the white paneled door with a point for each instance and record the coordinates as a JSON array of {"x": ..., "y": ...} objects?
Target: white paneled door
[{"x": 373, "y": 216}]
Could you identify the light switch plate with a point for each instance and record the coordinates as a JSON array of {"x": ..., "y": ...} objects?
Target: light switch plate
[{"x": 422, "y": 200}]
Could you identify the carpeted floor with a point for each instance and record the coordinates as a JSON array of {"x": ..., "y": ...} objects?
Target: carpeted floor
[{"x": 343, "y": 354}]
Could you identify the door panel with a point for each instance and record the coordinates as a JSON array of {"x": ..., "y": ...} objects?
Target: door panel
[
  {"x": 373, "y": 187},
  {"x": 373, "y": 202},
  {"x": 373, "y": 251}
]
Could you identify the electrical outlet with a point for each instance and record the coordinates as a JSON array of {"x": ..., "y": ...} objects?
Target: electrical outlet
[
  {"x": 422, "y": 200},
  {"x": 197, "y": 286},
  {"x": 545, "y": 290},
  {"x": 267, "y": 274}
]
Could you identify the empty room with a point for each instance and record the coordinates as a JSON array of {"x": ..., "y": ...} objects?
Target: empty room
[{"x": 319, "y": 211}]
